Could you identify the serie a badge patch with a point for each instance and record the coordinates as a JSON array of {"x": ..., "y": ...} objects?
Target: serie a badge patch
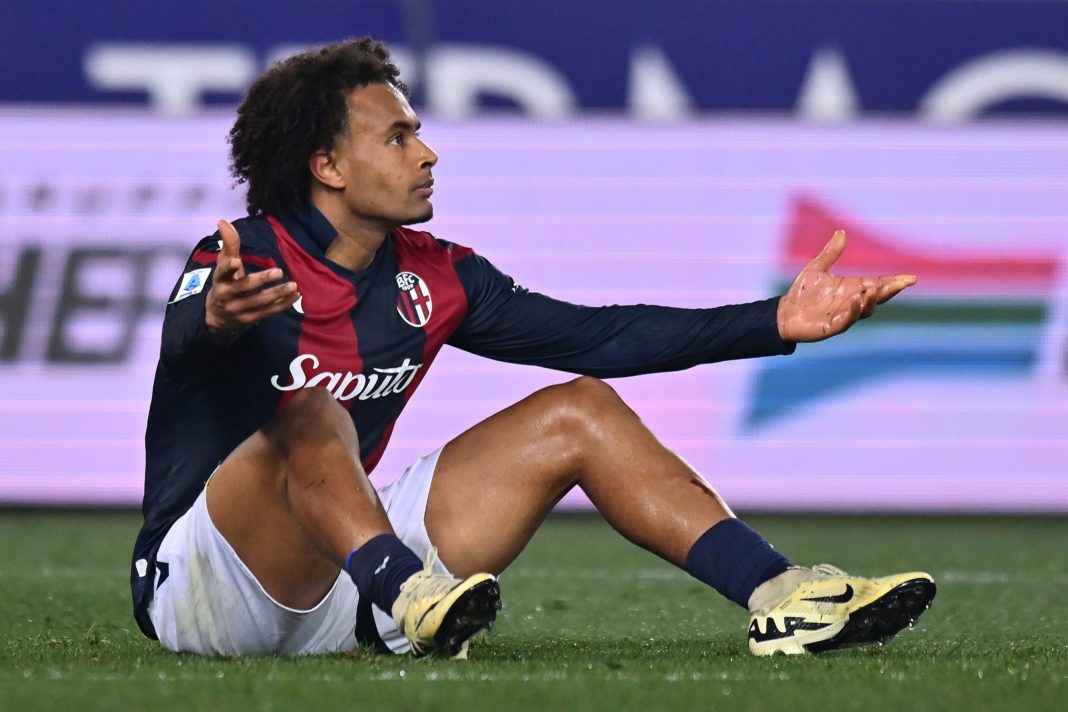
[
  {"x": 192, "y": 283},
  {"x": 413, "y": 299}
]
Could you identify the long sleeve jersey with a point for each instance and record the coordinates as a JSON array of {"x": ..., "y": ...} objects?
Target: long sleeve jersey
[{"x": 369, "y": 337}]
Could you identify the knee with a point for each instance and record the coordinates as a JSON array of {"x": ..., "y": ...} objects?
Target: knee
[{"x": 580, "y": 408}]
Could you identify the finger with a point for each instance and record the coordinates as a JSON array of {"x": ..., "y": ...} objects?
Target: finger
[
  {"x": 267, "y": 312},
  {"x": 890, "y": 286},
  {"x": 239, "y": 306},
  {"x": 271, "y": 308},
  {"x": 231, "y": 241},
  {"x": 229, "y": 263},
  {"x": 856, "y": 306},
  {"x": 868, "y": 301},
  {"x": 870, "y": 284},
  {"x": 830, "y": 254},
  {"x": 257, "y": 280},
  {"x": 227, "y": 270}
]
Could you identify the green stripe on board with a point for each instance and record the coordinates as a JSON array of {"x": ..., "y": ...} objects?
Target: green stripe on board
[
  {"x": 976, "y": 311},
  {"x": 961, "y": 311}
]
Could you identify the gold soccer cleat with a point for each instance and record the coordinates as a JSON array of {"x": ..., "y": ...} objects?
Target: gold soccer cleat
[
  {"x": 439, "y": 613},
  {"x": 823, "y": 608}
]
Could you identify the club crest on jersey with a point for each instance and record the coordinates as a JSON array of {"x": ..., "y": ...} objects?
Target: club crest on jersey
[{"x": 413, "y": 299}]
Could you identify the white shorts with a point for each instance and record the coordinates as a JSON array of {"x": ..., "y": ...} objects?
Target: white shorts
[{"x": 208, "y": 601}]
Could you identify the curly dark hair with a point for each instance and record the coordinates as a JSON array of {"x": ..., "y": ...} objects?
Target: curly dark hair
[{"x": 295, "y": 109}]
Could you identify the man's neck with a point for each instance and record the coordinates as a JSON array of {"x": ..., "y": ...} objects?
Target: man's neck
[{"x": 357, "y": 240}]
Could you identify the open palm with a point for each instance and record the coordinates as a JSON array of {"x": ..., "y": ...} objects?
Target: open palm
[{"x": 819, "y": 304}]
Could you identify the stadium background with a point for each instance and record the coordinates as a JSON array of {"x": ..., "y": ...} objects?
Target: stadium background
[{"x": 685, "y": 153}]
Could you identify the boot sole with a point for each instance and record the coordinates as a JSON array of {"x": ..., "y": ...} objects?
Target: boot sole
[
  {"x": 882, "y": 619},
  {"x": 474, "y": 611}
]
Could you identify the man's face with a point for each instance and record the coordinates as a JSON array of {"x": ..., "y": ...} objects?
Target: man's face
[{"x": 385, "y": 166}]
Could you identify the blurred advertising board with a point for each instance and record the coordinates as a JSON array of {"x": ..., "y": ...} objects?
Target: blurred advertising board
[
  {"x": 955, "y": 397},
  {"x": 827, "y": 60}
]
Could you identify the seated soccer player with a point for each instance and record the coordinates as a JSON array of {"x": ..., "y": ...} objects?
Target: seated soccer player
[{"x": 298, "y": 334}]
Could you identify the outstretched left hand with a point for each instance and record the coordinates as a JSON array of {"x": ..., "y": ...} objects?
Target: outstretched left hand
[{"x": 819, "y": 305}]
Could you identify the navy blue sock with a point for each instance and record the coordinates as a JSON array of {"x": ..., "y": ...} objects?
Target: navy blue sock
[
  {"x": 380, "y": 566},
  {"x": 733, "y": 559}
]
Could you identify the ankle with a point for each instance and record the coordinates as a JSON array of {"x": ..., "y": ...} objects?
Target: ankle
[
  {"x": 768, "y": 594},
  {"x": 734, "y": 559},
  {"x": 380, "y": 567}
]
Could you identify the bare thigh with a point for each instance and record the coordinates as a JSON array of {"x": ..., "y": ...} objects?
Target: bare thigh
[
  {"x": 496, "y": 483},
  {"x": 293, "y": 500}
]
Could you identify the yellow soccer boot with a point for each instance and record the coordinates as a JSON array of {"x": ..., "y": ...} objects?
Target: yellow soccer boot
[
  {"x": 823, "y": 608},
  {"x": 439, "y": 613}
]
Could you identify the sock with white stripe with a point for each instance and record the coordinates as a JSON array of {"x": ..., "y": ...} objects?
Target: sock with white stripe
[{"x": 380, "y": 566}]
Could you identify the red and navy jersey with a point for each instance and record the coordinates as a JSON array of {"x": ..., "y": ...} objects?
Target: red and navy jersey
[{"x": 369, "y": 337}]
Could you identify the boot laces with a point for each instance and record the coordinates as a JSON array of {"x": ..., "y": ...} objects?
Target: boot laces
[
  {"x": 427, "y": 583},
  {"x": 828, "y": 570}
]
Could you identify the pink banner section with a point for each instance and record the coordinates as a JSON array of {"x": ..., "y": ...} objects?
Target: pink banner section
[{"x": 953, "y": 398}]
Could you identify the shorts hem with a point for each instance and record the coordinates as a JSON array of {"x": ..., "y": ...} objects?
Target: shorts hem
[{"x": 215, "y": 533}]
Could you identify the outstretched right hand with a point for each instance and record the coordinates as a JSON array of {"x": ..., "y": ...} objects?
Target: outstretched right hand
[{"x": 238, "y": 301}]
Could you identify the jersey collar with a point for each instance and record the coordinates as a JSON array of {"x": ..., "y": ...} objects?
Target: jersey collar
[
  {"x": 314, "y": 233},
  {"x": 311, "y": 229}
]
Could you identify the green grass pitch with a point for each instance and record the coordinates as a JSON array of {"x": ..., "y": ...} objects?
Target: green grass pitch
[{"x": 590, "y": 622}]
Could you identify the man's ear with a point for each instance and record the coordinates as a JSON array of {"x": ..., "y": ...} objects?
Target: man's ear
[{"x": 325, "y": 170}]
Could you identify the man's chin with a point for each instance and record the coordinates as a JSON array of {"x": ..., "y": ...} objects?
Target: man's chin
[{"x": 425, "y": 217}]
